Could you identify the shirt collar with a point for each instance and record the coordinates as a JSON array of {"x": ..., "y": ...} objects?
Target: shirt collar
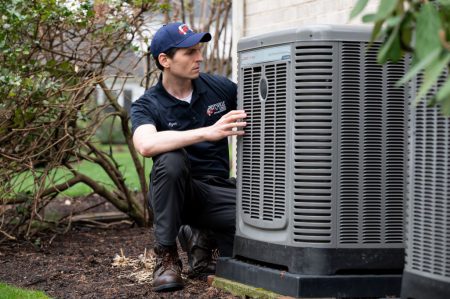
[{"x": 169, "y": 101}]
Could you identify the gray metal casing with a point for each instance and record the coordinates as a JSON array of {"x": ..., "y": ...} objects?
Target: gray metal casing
[
  {"x": 427, "y": 262},
  {"x": 323, "y": 161}
]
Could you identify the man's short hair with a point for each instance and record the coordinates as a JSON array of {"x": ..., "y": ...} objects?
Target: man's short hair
[{"x": 170, "y": 53}]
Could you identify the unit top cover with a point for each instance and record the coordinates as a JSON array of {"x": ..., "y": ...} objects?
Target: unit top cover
[{"x": 307, "y": 33}]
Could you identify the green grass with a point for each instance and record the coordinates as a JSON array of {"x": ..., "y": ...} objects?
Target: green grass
[
  {"x": 120, "y": 153},
  {"x": 10, "y": 292}
]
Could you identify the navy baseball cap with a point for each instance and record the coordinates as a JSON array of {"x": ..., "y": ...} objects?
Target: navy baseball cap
[{"x": 176, "y": 35}]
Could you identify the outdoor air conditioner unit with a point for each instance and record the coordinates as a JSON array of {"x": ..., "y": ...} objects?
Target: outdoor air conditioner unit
[
  {"x": 322, "y": 165},
  {"x": 427, "y": 265}
]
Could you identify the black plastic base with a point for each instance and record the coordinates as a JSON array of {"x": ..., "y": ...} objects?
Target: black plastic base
[
  {"x": 420, "y": 287},
  {"x": 320, "y": 261},
  {"x": 309, "y": 286}
]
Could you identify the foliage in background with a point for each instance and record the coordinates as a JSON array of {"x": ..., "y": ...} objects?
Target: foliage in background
[
  {"x": 55, "y": 56},
  {"x": 418, "y": 27}
]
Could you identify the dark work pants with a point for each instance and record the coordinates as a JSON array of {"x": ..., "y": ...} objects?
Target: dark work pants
[{"x": 176, "y": 199}]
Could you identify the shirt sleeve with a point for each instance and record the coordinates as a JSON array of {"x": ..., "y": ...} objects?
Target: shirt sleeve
[{"x": 142, "y": 113}]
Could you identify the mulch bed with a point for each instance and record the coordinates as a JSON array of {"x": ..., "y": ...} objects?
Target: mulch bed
[{"x": 91, "y": 262}]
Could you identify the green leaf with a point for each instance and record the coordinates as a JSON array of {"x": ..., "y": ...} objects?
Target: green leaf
[
  {"x": 385, "y": 8},
  {"x": 444, "y": 93},
  {"x": 419, "y": 66},
  {"x": 18, "y": 119},
  {"x": 428, "y": 26},
  {"x": 391, "y": 49},
  {"x": 66, "y": 66},
  {"x": 368, "y": 18},
  {"x": 393, "y": 21},
  {"x": 376, "y": 31},
  {"x": 431, "y": 75},
  {"x": 359, "y": 7},
  {"x": 406, "y": 35},
  {"x": 445, "y": 107}
]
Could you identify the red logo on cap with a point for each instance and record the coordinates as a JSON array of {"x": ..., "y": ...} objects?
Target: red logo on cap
[{"x": 184, "y": 29}]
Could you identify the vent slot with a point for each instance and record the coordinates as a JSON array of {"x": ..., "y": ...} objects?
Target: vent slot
[
  {"x": 251, "y": 152},
  {"x": 396, "y": 153},
  {"x": 274, "y": 143},
  {"x": 372, "y": 144},
  {"x": 349, "y": 214},
  {"x": 312, "y": 208}
]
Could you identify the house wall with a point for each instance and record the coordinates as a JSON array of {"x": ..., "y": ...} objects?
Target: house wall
[{"x": 261, "y": 16}]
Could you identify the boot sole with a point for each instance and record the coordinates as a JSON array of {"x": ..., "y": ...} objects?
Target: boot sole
[{"x": 170, "y": 287}]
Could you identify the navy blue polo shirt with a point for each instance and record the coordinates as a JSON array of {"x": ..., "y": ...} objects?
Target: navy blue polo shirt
[{"x": 213, "y": 96}]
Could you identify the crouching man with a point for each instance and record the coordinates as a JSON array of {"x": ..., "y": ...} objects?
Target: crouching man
[{"x": 183, "y": 123}]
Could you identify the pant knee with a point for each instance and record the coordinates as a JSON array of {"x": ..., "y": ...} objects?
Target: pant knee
[{"x": 173, "y": 165}]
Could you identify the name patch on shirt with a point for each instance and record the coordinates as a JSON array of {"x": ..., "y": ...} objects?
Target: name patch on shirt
[{"x": 216, "y": 108}]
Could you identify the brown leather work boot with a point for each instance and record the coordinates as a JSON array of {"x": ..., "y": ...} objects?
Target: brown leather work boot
[
  {"x": 167, "y": 272},
  {"x": 199, "y": 246}
]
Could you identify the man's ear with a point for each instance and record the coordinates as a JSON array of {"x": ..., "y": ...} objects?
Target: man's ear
[{"x": 163, "y": 60}]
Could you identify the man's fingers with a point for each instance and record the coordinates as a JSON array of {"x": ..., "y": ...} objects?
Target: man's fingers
[
  {"x": 234, "y": 118},
  {"x": 235, "y": 125},
  {"x": 235, "y": 132},
  {"x": 235, "y": 114},
  {"x": 238, "y": 133}
]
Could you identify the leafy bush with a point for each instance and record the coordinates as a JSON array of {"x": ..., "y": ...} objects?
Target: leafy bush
[{"x": 55, "y": 54}]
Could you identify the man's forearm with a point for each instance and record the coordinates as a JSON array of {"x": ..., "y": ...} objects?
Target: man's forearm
[{"x": 166, "y": 141}]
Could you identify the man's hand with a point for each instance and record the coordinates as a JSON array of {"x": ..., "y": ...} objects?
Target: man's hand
[
  {"x": 149, "y": 142},
  {"x": 227, "y": 125}
]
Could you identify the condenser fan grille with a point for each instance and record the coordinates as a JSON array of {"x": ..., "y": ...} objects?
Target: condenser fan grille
[{"x": 264, "y": 143}]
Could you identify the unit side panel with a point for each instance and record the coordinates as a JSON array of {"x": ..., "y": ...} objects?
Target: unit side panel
[
  {"x": 428, "y": 237},
  {"x": 372, "y": 148}
]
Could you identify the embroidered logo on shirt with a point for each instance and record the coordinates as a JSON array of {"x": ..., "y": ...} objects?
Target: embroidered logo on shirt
[
  {"x": 173, "y": 124},
  {"x": 216, "y": 108}
]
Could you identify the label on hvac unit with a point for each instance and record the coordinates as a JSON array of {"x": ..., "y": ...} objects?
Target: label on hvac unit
[{"x": 265, "y": 55}]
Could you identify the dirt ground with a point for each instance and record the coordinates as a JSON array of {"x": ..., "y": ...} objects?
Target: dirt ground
[{"x": 89, "y": 262}]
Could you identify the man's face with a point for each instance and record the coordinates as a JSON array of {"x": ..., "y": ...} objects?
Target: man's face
[{"x": 186, "y": 62}]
